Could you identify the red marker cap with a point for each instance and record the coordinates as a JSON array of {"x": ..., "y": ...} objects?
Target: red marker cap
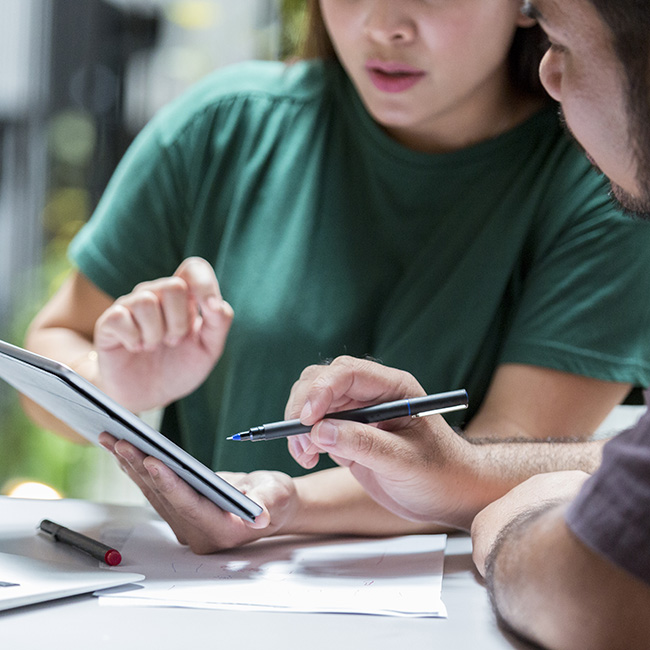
[{"x": 112, "y": 557}]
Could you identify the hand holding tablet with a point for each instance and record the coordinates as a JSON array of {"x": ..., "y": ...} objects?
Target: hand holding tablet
[{"x": 90, "y": 412}]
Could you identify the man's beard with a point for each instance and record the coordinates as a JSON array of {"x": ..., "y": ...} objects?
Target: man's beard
[
  {"x": 636, "y": 207},
  {"x": 632, "y": 206}
]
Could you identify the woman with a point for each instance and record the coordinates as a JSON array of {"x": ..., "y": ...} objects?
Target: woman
[{"x": 407, "y": 195}]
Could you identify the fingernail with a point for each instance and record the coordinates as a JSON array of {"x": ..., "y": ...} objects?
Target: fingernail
[
  {"x": 326, "y": 434},
  {"x": 306, "y": 412},
  {"x": 125, "y": 454},
  {"x": 295, "y": 448},
  {"x": 212, "y": 303}
]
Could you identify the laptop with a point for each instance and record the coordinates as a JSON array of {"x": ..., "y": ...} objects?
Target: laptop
[
  {"x": 25, "y": 580},
  {"x": 89, "y": 411}
]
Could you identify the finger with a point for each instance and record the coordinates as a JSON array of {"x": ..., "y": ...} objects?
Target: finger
[
  {"x": 216, "y": 313},
  {"x": 117, "y": 328},
  {"x": 107, "y": 441},
  {"x": 147, "y": 313},
  {"x": 177, "y": 307},
  {"x": 386, "y": 453},
  {"x": 132, "y": 462},
  {"x": 298, "y": 392},
  {"x": 303, "y": 452},
  {"x": 204, "y": 287},
  {"x": 298, "y": 395},
  {"x": 175, "y": 495},
  {"x": 207, "y": 526},
  {"x": 350, "y": 383}
]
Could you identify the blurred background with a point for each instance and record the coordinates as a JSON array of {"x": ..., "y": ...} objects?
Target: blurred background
[{"x": 78, "y": 80}]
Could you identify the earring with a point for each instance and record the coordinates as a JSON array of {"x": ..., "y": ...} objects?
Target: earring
[{"x": 528, "y": 14}]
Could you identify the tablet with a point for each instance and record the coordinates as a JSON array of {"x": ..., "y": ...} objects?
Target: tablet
[{"x": 87, "y": 410}]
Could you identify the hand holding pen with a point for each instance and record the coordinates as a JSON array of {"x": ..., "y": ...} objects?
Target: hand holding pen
[{"x": 418, "y": 468}]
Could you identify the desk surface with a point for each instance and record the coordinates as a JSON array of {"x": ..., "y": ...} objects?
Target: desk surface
[{"x": 80, "y": 622}]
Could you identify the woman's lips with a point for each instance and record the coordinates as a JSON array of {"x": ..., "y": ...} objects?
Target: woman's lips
[{"x": 392, "y": 77}]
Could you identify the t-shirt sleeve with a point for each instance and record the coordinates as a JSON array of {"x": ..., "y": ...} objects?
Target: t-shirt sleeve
[
  {"x": 583, "y": 306},
  {"x": 611, "y": 515},
  {"x": 137, "y": 231}
]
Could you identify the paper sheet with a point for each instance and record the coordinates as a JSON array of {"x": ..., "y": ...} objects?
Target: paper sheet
[{"x": 395, "y": 577}]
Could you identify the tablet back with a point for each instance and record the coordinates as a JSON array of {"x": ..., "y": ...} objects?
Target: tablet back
[{"x": 82, "y": 406}]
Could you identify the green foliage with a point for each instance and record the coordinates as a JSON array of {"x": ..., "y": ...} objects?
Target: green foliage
[
  {"x": 37, "y": 455},
  {"x": 29, "y": 453}
]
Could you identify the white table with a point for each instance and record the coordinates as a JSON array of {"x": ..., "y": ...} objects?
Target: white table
[{"x": 81, "y": 623}]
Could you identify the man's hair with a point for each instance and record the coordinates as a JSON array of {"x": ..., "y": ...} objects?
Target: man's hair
[
  {"x": 629, "y": 23},
  {"x": 525, "y": 54}
]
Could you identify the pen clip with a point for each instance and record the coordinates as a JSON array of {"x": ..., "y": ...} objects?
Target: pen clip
[{"x": 447, "y": 409}]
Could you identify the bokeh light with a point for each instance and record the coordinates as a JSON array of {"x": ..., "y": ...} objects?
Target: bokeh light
[{"x": 30, "y": 490}]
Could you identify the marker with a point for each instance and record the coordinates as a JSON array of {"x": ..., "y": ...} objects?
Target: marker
[
  {"x": 90, "y": 546},
  {"x": 416, "y": 407}
]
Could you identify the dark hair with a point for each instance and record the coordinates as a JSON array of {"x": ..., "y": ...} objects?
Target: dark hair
[
  {"x": 629, "y": 23},
  {"x": 525, "y": 54},
  {"x": 315, "y": 41}
]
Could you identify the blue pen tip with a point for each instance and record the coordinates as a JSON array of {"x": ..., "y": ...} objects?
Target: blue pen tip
[{"x": 235, "y": 437}]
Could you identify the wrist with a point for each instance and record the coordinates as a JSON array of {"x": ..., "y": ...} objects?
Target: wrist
[
  {"x": 310, "y": 516},
  {"x": 332, "y": 501},
  {"x": 474, "y": 487},
  {"x": 87, "y": 365}
]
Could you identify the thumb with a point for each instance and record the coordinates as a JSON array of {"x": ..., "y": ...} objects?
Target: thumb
[
  {"x": 381, "y": 451},
  {"x": 261, "y": 521}
]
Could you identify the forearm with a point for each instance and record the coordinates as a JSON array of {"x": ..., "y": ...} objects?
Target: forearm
[
  {"x": 495, "y": 468},
  {"x": 72, "y": 349},
  {"x": 66, "y": 346},
  {"x": 550, "y": 588},
  {"x": 333, "y": 502}
]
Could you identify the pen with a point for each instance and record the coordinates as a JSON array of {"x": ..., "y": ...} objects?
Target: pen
[
  {"x": 90, "y": 546},
  {"x": 415, "y": 407}
]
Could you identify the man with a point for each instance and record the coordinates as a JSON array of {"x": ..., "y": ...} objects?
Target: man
[
  {"x": 575, "y": 572},
  {"x": 566, "y": 557}
]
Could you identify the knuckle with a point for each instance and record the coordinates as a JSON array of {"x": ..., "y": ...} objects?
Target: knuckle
[
  {"x": 145, "y": 299},
  {"x": 116, "y": 313},
  {"x": 194, "y": 260},
  {"x": 344, "y": 361},
  {"x": 364, "y": 443},
  {"x": 195, "y": 269},
  {"x": 141, "y": 286},
  {"x": 174, "y": 287},
  {"x": 309, "y": 372}
]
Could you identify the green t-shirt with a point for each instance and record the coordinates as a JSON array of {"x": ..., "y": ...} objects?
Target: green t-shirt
[{"x": 329, "y": 238}]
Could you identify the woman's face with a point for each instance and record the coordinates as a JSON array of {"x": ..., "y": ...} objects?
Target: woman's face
[{"x": 427, "y": 70}]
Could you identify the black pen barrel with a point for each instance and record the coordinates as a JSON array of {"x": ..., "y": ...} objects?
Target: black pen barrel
[
  {"x": 369, "y": 414},
  {"x": 276, "y": 430},
  {"x": 73, "y": 538},
  {"x": 403, "y": 408}
]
